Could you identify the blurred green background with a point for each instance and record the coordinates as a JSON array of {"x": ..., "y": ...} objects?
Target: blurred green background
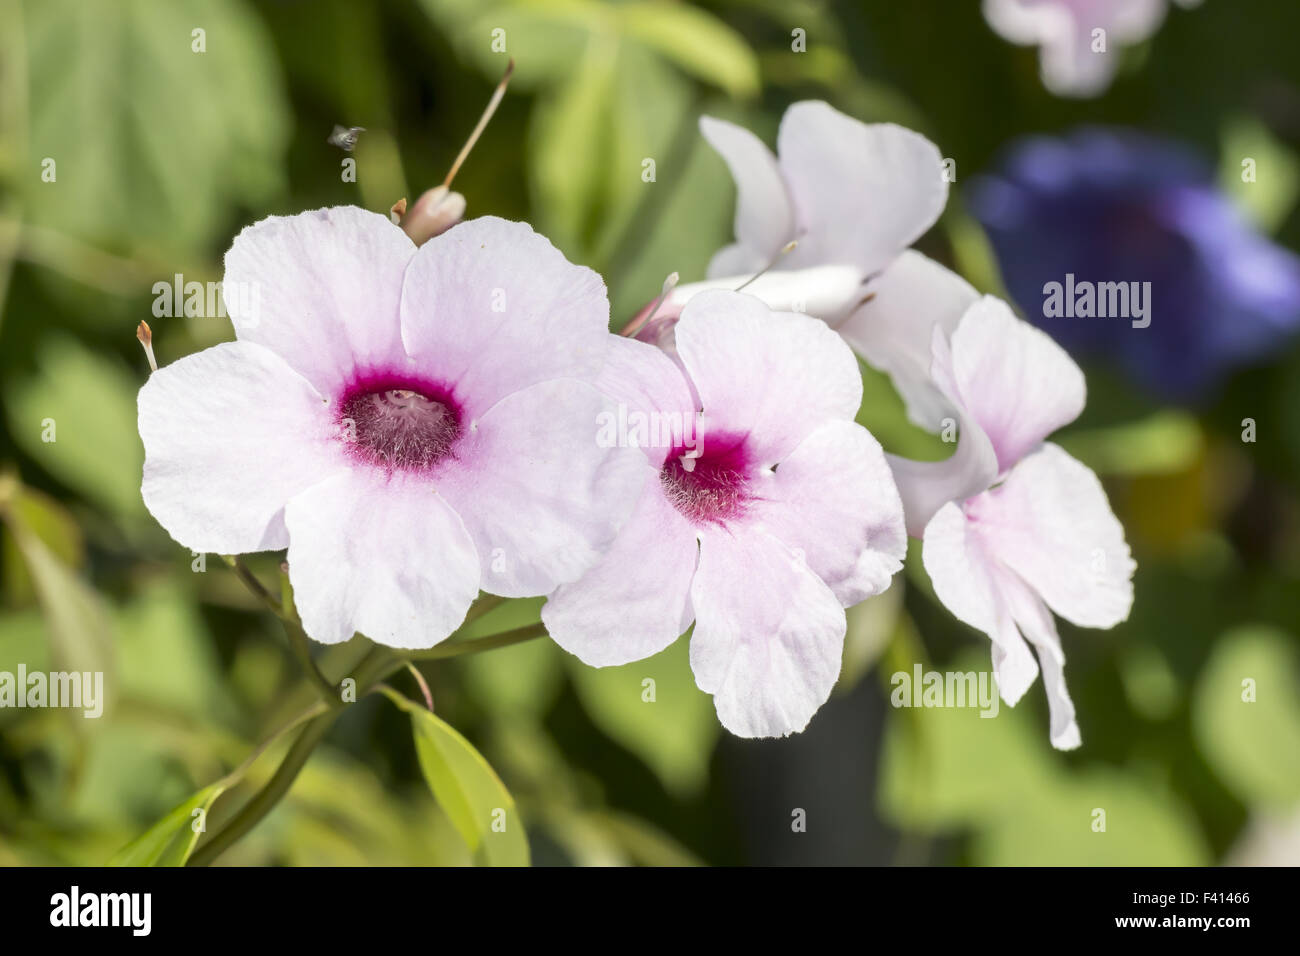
[{"x": 163, "y": 154}]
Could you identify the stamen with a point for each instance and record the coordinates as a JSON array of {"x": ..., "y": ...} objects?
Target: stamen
[
  {"x": 493, "y": 103},
  {"x": 145, "y": 335},
  {"x": 400, "y": 426},
  {"x": 786, "y": 249},
  {"x": 640, "y": 321}
]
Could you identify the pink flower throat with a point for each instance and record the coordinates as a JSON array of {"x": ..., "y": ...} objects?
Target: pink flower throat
[
  {"x": 398, "y": 423},
  {"x": 712, "y": 488}
]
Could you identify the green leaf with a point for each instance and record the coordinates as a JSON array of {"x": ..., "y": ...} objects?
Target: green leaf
[
  {"x": 52, "y": 524},
  {"x": 696, "y": 41},
  {"x": 170, "y": 841},
  {"x": 152, "y": 141},
  {"x": 1269, "y": 192},
  {"x": 76, "y": 620},
  {"x": 77, "y": 419},
  {"x": 653, "y": 708},
  {"x": 469, "y": 792},
  {"x": 570, "y": 137},
  {"x": 1167, "y": 442},
  {"x": 1246, "y": 716}
]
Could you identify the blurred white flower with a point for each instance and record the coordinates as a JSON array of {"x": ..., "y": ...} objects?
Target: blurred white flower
[
  {"x": 1013, "y": 527},
  {"x": 1078, "y": 40}
]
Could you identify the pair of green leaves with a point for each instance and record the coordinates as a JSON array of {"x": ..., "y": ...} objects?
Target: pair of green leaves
[{"x": 471, "y": 794}]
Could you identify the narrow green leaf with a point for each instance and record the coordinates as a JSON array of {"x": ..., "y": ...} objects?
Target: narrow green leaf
[
  {"x": 75, "y": 615},
  {"x": 469, "y": 792},
  {"x": 170, "y": 841},
  {"x": 696, "y": 41}
]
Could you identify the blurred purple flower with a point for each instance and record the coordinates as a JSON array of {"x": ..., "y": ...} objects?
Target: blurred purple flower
[{"x": 1116, "y": 206}]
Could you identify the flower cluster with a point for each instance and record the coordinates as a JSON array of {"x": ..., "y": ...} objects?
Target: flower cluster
[{"x": 416, "y": 416}]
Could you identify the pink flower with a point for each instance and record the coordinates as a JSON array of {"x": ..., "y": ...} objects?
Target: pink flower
[
  {"x": 853, "y": 196},
  {"x": 1075, "y": 59},
  {"x": 413, "y": 425},
  {"x": 1013, "y": 527},
  {"x": 766, "y": 513}
]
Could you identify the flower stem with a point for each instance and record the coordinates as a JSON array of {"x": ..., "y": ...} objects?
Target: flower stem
[
  {"x": 369, "y": 672},
  {"x": 299, "y": 643},
  {"x": 371, "y": 669},
  {"x": 460, "y": 648}
]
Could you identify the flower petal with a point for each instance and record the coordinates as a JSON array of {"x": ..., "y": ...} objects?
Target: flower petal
[
  {"x": 1036, "y": 623},
  {"x": 540, "y": 496},
  {"x": 1050, "y": 522},
  {"x": 763, "y": 216},
  {"x": 774, "y": 375},
  {"x": 826, "y": 292},
  {"x": 384, "y": 556},
  {"x": 769, "y": 634},
  {"x": 636, "y": 600},
  {"x": 321, "y": 290},
  {"x": 965, "y": 579},
  {"x": 862, "y": 193},
  {"x": 894, "y": 328},
  {"x": 493, "y": 307},
  {"x": 645, "y": 382},
  {"x": 1012, "y": 379},
  {"x": 834, "y": 500},
  {"x": 230, "y": 435}
]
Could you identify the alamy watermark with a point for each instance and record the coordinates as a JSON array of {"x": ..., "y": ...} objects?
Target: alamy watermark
[
  {"x": 60, "y": 689},
  {"x": 209, "y": 300},
  {"x": 923, "y": 688},
  {"x": 633, "y": 428},
  {"x": 1101, "y": 300}
]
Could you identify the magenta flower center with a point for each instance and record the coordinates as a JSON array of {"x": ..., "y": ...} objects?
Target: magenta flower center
[
  {"x": 398, "y": 424},
  {"x": 709, "y": 485}
]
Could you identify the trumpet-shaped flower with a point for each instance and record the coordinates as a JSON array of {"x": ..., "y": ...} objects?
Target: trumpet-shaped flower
[
  {"x": 1014, "y": 528},
  {"x": 1078, "y": 40},
  {"x": 766, "y": 512},
  {"x": 413, "y": 425},
  {"x": 853, "y": 197}
]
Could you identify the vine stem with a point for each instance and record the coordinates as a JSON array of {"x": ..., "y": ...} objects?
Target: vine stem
[
  {"x": 369, "y": 673},
  {"x": 460, "y": 648},
  {"x": 370, "y": 670},
  {"x": 282, "y": 608}
]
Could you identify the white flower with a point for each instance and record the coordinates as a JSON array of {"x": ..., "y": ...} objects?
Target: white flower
[
  {"x": 760, "y": 524},
  {"x": 412, "y": 425},
  {"x": 1013, "y": 527},
  {"x": 1071, "y": 59}
]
